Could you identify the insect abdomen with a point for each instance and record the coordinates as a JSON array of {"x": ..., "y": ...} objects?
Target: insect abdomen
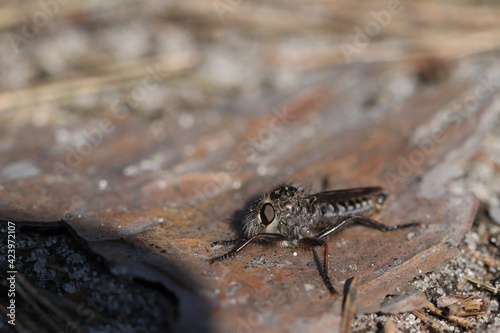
[{"x": 356, "y": 206}]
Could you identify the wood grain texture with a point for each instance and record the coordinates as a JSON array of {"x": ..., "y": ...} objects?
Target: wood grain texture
[{"x": 151, "y": 185}]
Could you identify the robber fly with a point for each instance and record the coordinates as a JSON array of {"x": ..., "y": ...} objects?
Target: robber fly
[{"x": 290, "y": 216}]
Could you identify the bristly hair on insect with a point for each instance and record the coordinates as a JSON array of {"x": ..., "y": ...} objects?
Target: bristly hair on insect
[{"x": 290, "y": 216}]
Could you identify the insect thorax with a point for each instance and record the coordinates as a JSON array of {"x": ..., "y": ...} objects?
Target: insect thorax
[{"x": 292, "y": 214}]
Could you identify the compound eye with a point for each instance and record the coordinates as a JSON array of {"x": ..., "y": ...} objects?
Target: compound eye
[{"x": 267, "y": 214}]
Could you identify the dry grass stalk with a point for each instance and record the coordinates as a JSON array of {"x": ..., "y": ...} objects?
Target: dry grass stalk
[{"x": 350, "y": 300}]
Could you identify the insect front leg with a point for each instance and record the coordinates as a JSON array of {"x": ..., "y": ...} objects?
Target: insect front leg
[
  {"x": 310, "y": 244},
  {"x": 228, "y": 241},
  {"x": 272, "y": 238}
]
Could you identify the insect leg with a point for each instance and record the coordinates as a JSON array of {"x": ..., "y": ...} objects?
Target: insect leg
[
  {"x": 364, "y": 220},
  {"x": 266, "y": 236},
  {"x": 228, "y": 241},
  {"x": 311, "y": 243},
  {"x": 380, "y": 226}
]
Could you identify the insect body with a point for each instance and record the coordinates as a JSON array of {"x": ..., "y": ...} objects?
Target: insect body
[{"x": 290, "y": 216}]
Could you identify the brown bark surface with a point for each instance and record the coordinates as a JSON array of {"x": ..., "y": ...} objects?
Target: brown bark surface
[{"x": 150, "y": 186}]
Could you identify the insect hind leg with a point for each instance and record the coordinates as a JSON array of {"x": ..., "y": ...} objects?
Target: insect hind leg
[
  {"x": 375, "y": 224},
  {"x": 363, "y": 220}
]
